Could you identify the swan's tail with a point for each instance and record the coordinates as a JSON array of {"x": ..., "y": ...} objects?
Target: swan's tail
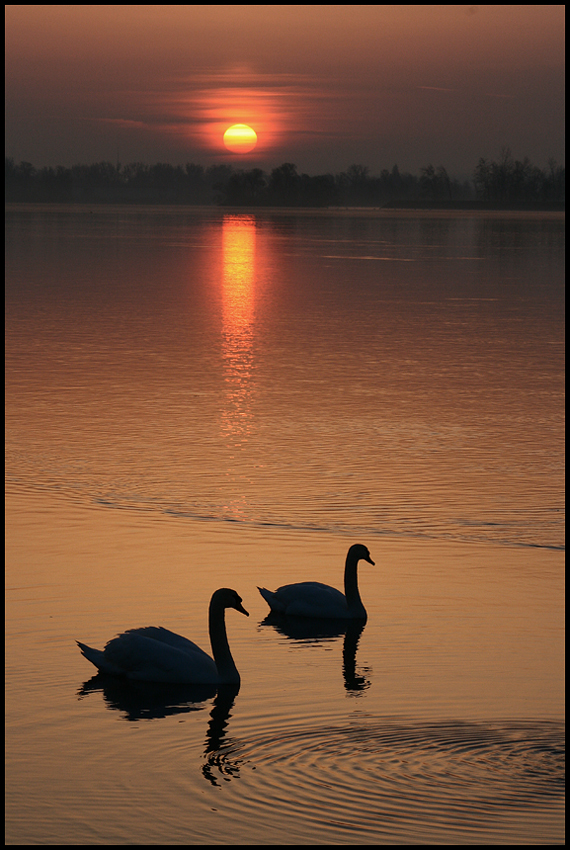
[
  {"x": 97, "y": 657},
  {"x": 271, "y": 598}
]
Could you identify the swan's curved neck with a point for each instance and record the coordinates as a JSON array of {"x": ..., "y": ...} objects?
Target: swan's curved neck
[
  {"x": 351, "y": 591},
  {"x": 227, "y": 670}
]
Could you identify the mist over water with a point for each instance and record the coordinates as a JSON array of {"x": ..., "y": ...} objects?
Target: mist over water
[{"x": 198, "y": 399}]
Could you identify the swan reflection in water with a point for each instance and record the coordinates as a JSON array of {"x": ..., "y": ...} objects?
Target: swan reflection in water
[
  {"x": 152, "y": 701},
  {"x": 148, "y": 700},
  {"x": 317, "y": 631},
  {"x": 217, "y": 752}
]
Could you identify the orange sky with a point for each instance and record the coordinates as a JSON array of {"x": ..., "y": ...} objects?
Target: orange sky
[{"x": 323, "y": 86}]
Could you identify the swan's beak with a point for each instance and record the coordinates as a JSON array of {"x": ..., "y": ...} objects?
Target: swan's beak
[
  {"x": 239, "y": 607},
  {"x": 370, "y": 561}
]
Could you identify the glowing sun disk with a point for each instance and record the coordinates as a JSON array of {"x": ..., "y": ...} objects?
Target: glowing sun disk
[{"x": 240, "y": 138}]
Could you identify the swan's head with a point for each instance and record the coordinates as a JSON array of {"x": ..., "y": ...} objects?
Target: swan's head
[
  {"x": 227, "y": 598},
  {"x": 358, "y": 552}
]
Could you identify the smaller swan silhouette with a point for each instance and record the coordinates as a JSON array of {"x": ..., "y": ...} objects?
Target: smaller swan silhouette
[
  {"x": 313, "y": 599},
  {"x": 154, "y": 654}
]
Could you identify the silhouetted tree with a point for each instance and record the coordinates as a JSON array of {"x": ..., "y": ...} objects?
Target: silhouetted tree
[
  {"x": 20, "y": 179},
  {"x": 319, "y": 191},
  {"x": 509, "y": 181},
  {"x": 243, "y": 188},
  {"x": 284, "y": 187},
  {"x": 435, "y": 183},
  {"x": 554, "y": 186}
]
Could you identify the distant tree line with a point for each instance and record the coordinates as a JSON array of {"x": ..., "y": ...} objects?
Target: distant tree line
[
  {"x": 509, "y": 181},
  {"x": 104, "y": 182},
  {"x": 284, "y": 186},
  {"x": 506, "y": 182}
]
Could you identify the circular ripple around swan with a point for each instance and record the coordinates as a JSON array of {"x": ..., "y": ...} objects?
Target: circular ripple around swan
[{"x": 386, "y": 779}]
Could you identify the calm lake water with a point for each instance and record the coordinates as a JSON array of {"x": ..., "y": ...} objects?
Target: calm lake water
[{"x": 207, "y": 398}]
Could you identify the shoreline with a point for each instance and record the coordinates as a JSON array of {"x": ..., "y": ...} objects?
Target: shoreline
[{"x": 321, "y": 212}]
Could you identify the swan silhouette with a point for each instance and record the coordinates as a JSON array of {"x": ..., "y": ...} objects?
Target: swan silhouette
[
  {"x": 157, "y": 655},
  {"x": 313, "y": 599}
]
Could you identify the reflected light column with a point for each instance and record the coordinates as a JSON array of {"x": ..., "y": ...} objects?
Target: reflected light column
[{"x": 238, "y": 284}]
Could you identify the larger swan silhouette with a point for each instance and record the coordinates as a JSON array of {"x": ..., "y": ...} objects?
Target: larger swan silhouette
[
  {"x": 157, "y": 655},
  {"x": 313, "y": 599}
]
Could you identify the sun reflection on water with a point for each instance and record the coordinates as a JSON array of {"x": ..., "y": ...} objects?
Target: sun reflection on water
[{"x": 238, "y": 303}]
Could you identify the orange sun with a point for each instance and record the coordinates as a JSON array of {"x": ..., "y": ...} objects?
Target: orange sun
[{"x": 239, "y": 138}]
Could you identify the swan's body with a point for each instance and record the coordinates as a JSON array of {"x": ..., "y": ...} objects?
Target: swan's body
[
  {"x": 156, "y": 655},
  {"x": 313, "y": 599}
]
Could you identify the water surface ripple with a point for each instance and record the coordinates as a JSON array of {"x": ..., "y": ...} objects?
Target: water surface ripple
[{"x": 416, "y": 782}]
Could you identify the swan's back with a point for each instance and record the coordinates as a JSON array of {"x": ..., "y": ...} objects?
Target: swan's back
[
  {"x": 166, "y": 637},
  {"x": 307, "y": 599},
  {"x": 154, "y": 655}
]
